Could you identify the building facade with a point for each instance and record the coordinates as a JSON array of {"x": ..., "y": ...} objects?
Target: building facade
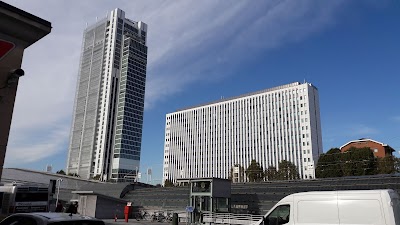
[
  {"x": 379, "y": 149},
  {"x": 18, "y": 31},
  {"x": 107, "y": 124},
  {"x": 280, "y": 123}
]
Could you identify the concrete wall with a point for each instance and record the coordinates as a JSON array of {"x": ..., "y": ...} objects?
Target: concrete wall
[
  {"x": 173, "y": 198},
  {"x": 87, "y": 205},
  {"x": 258, "y": 198},
  {"x": 67, "y": 185},
  {"x": 107, "y": 208}
]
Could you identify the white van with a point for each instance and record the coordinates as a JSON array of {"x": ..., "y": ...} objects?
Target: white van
[{"x": 380, "y": 207}]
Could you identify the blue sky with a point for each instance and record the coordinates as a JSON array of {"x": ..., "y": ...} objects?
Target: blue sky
[{"x": 202, "y": 50}]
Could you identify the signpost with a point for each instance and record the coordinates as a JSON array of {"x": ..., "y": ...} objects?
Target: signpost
[{"x": 189, "y": 209}]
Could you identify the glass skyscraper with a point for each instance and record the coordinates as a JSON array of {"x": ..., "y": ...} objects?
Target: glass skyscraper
[{"x": 106, "y": 129}]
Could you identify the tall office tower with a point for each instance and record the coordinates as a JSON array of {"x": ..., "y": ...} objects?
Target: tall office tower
[
  {"x": 210, "y": 140},
  {"x": 108, "y": 113}
]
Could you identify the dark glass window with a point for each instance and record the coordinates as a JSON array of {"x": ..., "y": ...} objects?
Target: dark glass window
[{"x": 30, "y": 197}]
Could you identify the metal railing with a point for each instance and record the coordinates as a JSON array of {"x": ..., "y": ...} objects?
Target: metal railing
[{"x": 230, "y": 218}]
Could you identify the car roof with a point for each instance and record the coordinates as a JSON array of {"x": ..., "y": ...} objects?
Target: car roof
[{"x": 53, "y": 216}]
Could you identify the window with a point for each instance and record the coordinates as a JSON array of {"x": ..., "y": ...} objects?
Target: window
[{"x": 280, "y": 215}]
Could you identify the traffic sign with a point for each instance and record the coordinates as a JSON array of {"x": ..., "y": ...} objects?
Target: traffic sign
[
  {"x": 189, "y": 209},
  {"x": 5, "y": 48}
]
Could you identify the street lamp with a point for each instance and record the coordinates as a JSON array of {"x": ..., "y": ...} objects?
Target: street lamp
[
  {"x": 135, "y": 176},
  {"x": 58, "y": 189}
]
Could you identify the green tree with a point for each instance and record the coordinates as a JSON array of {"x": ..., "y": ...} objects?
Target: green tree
[
  {"x": 73, "y": 175},
  {"x": 271, "y": 173},
  {"x": 358, "y": 162},
  {"x": 397, "y": 164},
  {"x": 97, "y": 177},
  {"x": 387, "y": 165},
  {"x": 329, "y": 164},
  {"x": 61, "y": 172},
  {"x": 287, "y": 171},
  {"x": 255, "y": 172},
  {"x": 168, "y": 183}
]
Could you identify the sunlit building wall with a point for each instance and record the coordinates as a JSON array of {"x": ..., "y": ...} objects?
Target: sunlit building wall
[
  {"x": 106, "y": 130},
  {"x": 280, "y": 123}
]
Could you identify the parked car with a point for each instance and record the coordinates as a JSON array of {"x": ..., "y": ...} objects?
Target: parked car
[
  {"x": 378, "y": 207},
  {"x": 42, "y": 218}
]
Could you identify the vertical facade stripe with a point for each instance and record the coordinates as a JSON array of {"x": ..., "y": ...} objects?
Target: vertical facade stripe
[{"x": 280, "y": 123}]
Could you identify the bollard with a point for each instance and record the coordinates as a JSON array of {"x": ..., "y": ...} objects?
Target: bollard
[{"x": 175, "y": 219}]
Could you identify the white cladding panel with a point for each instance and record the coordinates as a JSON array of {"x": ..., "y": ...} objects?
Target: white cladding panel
[{"x": 269, "y": 126}]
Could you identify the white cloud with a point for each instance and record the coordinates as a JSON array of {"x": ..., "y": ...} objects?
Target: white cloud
[
  {"x": 189, "y": 41},
  {"x": 361, "y": 129},
  {"x": 34, "y": 145}
]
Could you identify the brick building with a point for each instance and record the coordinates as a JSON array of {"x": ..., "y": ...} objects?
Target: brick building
[{"x": 379, "y": 149}]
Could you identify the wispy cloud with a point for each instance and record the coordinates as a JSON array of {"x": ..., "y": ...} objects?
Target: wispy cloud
[
  {"x": 189, "y": 42},
  {"x": 215, "y": 43},
  {"x": 362, "y": 130},
  {"x": 396, "y": 118},
  {"x": 33, "y": 145}
]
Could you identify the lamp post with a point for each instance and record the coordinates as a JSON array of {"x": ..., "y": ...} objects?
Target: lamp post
[
  {"x": 58, "y": 189},
  {"x": 137, "y": 171},
  {"x": 135, "y": 176}
]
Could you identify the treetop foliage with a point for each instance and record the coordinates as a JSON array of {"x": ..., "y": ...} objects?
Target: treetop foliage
[
  {"x": 286, "y": 171},
  {"x": 168, "y": 183},
  {"x": 354, "y": 162}
]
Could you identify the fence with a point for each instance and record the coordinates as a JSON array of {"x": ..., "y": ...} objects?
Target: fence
[{"x": 230, "y": 218}]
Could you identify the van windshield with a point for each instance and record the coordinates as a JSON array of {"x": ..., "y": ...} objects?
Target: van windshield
[{"x": 280, "y": 215}]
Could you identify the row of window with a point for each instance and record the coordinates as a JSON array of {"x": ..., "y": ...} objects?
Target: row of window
[{"x": 127, "y": 156}]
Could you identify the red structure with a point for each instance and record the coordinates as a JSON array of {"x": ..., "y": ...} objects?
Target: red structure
[
  {"x": 379, "y": 149},
  {"x": 127, "y": 212}
]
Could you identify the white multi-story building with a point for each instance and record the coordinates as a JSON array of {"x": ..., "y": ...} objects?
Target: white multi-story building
[
  {"x": 280, "y": 123},
  {"x": 108, "y": 113}
]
